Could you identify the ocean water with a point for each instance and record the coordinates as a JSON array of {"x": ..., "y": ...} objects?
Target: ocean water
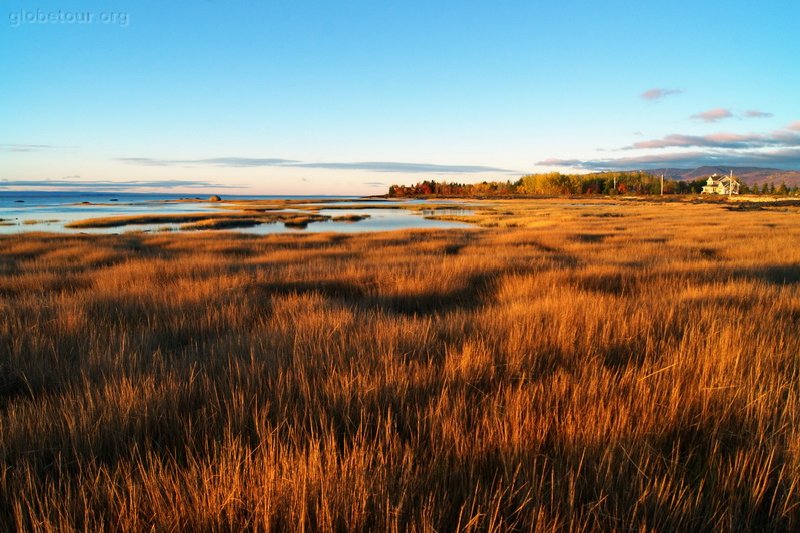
[
  {"x": 23, "y": 199},
  {"x": 27, "y": 211},
  {"x": 22, "y": 211}
]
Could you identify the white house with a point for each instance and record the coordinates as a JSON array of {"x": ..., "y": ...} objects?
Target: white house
[{"x": 717, "y": 184}]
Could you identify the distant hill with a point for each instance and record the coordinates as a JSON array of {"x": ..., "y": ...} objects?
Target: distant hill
[{"x": 749, "y": 175}]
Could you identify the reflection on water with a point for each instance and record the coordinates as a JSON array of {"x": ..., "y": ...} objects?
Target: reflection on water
[
  {"x": 444, "y": 211},
  {"x": 379, "y": 220},
  {"x": 18, "y": 217}
]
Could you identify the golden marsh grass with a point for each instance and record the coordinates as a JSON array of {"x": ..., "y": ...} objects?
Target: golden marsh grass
[{"x": 596, "y": 366}]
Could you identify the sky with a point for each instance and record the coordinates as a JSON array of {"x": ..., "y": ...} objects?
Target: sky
[{"x": 349, "y": 96}]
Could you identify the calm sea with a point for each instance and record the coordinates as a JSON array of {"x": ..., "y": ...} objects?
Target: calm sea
[{"x": 27, "y": 199}]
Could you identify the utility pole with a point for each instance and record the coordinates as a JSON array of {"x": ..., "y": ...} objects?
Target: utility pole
[
  {"x": 662, "y": 184},
  {"x": 730, "y": 185}
]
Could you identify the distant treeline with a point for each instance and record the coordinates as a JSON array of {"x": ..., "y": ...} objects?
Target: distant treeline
[{"x": 555, "y": 183}]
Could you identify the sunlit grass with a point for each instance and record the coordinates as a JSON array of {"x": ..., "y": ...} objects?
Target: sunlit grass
[{"x": 596, "y": 366}]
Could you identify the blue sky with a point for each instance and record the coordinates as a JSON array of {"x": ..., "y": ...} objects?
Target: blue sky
[{"x": 347, "y": 97}]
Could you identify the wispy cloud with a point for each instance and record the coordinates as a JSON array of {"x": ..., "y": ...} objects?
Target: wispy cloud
[
  {"x": 217, "y": 162},
  {"x": 787, "y": 158},
  {"x": 391, "y": 166},
  {"x": 556, "y": 162},
  {"x": 106, "y": 185},
  {"x": 778, "y": 149},
  {"x": 374, "y": 166},
  {"x": 24, "y": 147},
  {"x": 713, "y": 115},
  {"x": 721, "y": 140},
  {"x": 656, "y": 94},
  {"x": 754, "y": 113},
  {"x": 721, "y": 113}
]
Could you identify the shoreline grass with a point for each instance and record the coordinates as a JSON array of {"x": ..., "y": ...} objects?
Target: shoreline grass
[
  {"x": 32, "y": 221},
  {"x": 350, "y": 218},
  {"x": 191, "y": 221},
  {"x": 600, "y": 366}
]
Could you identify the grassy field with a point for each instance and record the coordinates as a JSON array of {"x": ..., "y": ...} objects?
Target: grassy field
[{"x": 563, "y": 366}]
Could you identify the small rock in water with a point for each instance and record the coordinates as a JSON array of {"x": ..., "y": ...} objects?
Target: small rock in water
[{"x": 214, "y": 198}]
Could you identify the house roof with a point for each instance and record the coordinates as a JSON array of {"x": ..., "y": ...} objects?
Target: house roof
[{"x": 721, "y": 179}]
